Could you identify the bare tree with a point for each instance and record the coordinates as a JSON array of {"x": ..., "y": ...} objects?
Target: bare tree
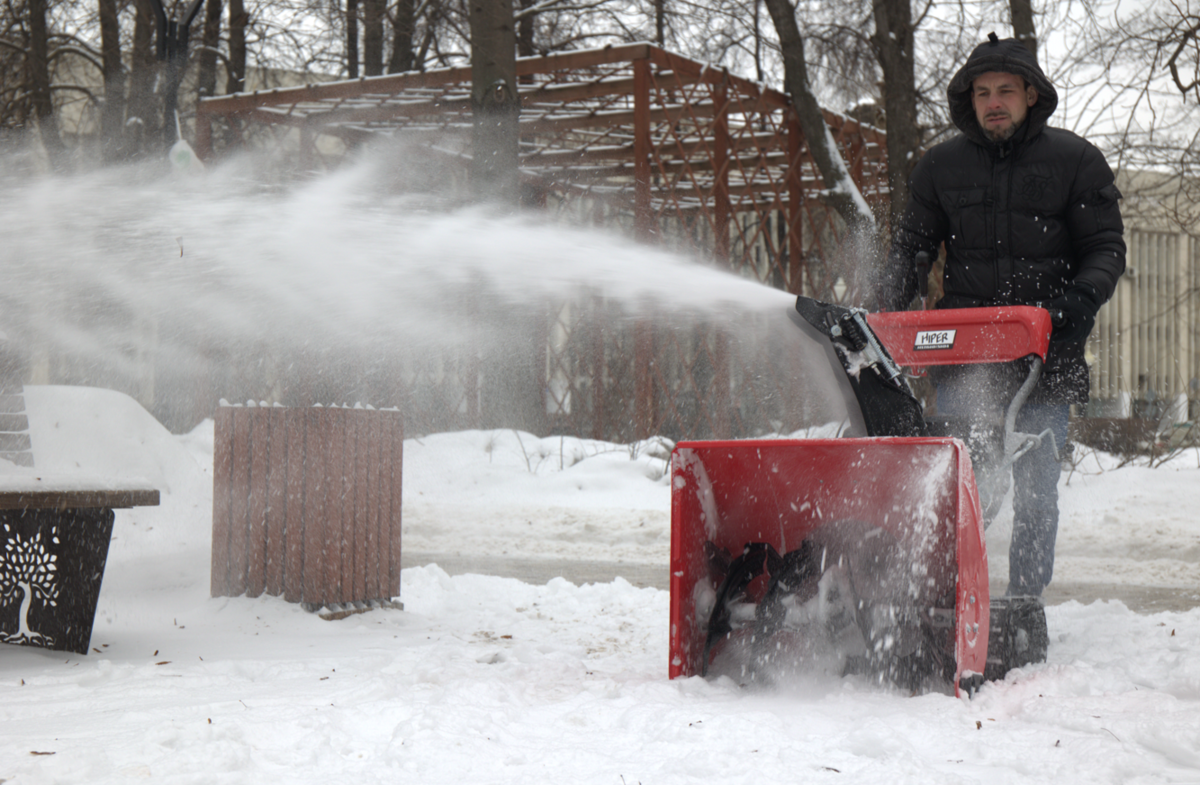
[
  {"x": 1183, "y": 42},
  {"x": 210, "y": 41},
  {"x": 372, "y": 36},
  {"x": 894, "y": 45},
  {"x": 112, "y": 114},
  {"x": 404, "y": 32},
  {"x": 494, "y": 102},
  {"x": 1022, "y": 24},
  {"x": 38, "y": 65},
  {"x": 840, "y": 192},
  {"x": 352, "y": 54},
  {"x": 239, "y": 21}
]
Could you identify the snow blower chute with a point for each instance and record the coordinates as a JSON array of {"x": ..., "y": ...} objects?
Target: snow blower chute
[{"x": 863, "y": 554}]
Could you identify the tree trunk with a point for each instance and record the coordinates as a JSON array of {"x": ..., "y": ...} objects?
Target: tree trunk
[
  {"x": 892, "y": 44},
  {"x": 143, "y": 107},
  {"x": 1022, "y": 22},
  {"x": 112, "y": 113},
  {"x": 373, "y": 37},
  {"x": 494, "y": 102},
  {"x": 206, "y": 69},
  {"x": 758, "y": 44},
  {"x": 352, "y": 38},
  {"x": 525, "y": 29},
  {"x": 239, "y": 20},
  {"x": 38, "y": 69},
  {"x": 660, "y": 23},
  {"x": 404, "y": 29},
  {"x": 841, "y": 193}
]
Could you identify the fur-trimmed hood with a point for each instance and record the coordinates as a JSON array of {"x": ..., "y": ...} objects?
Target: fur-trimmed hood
[{"x": 1007, "y": 55}]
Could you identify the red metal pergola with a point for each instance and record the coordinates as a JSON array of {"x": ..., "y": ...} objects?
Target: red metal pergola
[
  {"x": 674, "y": 151},
  {"x": 686, "y": 153}
]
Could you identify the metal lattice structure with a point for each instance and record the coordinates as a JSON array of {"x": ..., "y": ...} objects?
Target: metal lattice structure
[{"x": 671, "y": 150}]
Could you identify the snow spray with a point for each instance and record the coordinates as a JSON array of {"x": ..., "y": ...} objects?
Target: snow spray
[{"x": 232, "y": 266}]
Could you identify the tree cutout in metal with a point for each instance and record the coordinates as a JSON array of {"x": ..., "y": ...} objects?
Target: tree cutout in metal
[
  {"x": 51, "y": 565},
  {"x": 28, "y": 570}
]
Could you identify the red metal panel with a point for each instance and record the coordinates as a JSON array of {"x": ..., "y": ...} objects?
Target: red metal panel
[
  {"x": 972, "y": 622},
  {"x": 980, "y": 335},
  {"x": 315, "y": 441},
  {"x": 256, "y": 514},
  {"x": 922, "y": 491},
  {"x": 276, "y": 486},
  {"x": 222, "y": 500},
  {"x": 293, "y": 575},
  {"x": 239, "y": 507}
]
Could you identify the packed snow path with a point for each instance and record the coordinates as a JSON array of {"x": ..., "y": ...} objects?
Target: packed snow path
[{"x": 492, "y": 679}]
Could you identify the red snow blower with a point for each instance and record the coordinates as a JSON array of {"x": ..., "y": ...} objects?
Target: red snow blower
[{"x": 861, "y": 555}]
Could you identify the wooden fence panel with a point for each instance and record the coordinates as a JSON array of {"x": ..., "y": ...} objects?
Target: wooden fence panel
[{"x": 306, "y": 503}]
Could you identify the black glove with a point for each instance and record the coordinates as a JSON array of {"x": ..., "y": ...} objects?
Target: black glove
[{"x": 1074, "y": 312}]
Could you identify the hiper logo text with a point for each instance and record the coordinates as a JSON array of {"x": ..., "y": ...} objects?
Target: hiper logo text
[{"x": 934, "y": 339}]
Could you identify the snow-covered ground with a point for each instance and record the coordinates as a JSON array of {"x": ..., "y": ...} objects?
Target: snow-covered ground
[{"x": 490, "y": 680}]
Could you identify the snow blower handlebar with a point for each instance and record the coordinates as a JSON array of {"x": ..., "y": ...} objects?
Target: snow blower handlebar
[{"x": 966, "y": 336}]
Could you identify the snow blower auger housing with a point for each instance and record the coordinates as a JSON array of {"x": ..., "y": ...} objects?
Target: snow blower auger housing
[{"x": 866, "y": 554}]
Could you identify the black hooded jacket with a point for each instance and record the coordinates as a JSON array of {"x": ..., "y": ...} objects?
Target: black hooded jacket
[{"x": 1021, "y": 219}]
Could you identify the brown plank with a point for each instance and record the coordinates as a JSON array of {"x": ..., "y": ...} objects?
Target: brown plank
[
  {"x": 397, "y": 472},
  {"x": 362, "y": 463},
  {"x": 239, "y": 501},
  {"x": 293, "y": 570},
  {"x": 222, "y": 497},
  {"x": 256, "y": 514},
  {"x": 277, "y": 502},
  {"x": 391, "y": 84},
  {"x": 348, "y": 501},
  {"x": 85, "y": 498},
  {"x": 383, "y": 424},
  {"x": 569, "y": 117},
  {"x": 315, "y": 442},
  {"x": 587, "y": 58},
  {"x": 374, "y": 586},
  {"x": 397, "y": 83},
  {"x": 335, "y": 456}
]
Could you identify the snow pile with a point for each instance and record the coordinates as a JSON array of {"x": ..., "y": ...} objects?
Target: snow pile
[
  {"x": 510, "y": 493},
  {"x": 487, "y": 679}
]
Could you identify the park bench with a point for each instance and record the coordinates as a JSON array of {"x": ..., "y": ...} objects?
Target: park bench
[{"x": 55, "y": 544}]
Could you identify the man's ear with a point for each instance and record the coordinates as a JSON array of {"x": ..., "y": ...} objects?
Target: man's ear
[{"x": 1031, "y": 95}]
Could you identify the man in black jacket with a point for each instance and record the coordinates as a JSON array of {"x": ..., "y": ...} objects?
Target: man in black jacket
[{"x": 1028, "y": 215}]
